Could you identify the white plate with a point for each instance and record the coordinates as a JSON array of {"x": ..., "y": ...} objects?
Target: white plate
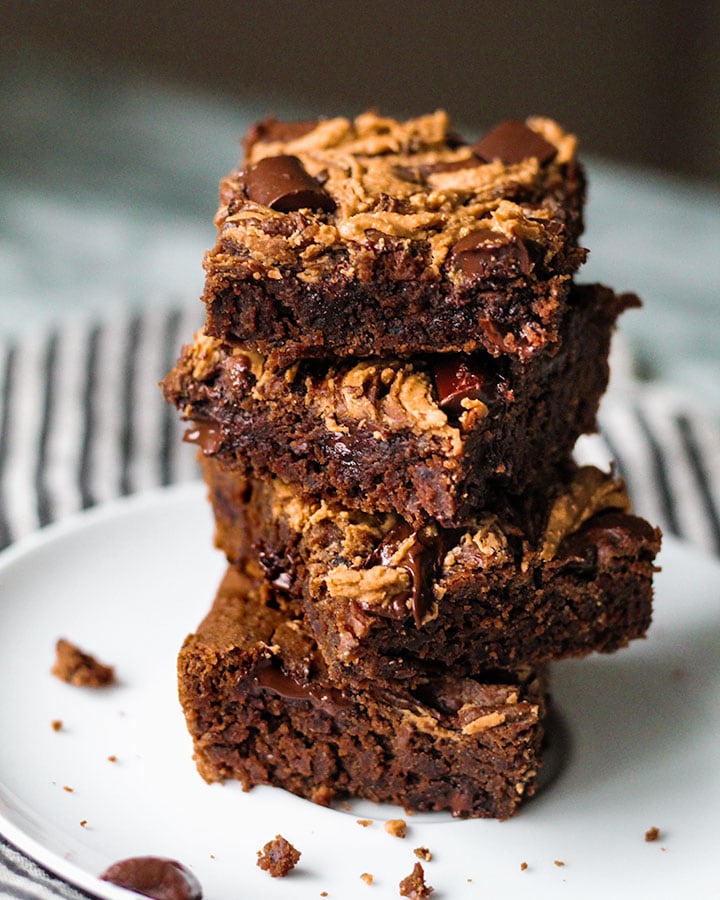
[{"x": 128, "y": 582}]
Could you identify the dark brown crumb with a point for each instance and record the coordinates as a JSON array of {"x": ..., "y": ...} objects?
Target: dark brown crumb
[
  {"x": 364, "y": 822},
  {"x": 83, "y": 823},
  {"x": 278, "y": 857},
  {"x": 56, "y": 724},
  {"x": 112, "y": 758},
  {"x": 523, "y": 866},
  {"x": 413, "y": 885},
  {"x": 652, "y": 834},
  {"x": 396, "y": 827},
  {"x": 559, "y": 863},
  {"x": 68, "y": 789},
  {"x": 367, "y": 878},
  {"x": 423, "y": 853},
  {"x": 80, "y": 669},
  {"x": 323, "y": 893}
]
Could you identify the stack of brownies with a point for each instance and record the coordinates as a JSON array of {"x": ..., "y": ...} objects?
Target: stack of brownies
[{"x": 394, "y": 370}]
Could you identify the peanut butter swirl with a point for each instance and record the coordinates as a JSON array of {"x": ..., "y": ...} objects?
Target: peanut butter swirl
[{"x": 408, "y": 182}]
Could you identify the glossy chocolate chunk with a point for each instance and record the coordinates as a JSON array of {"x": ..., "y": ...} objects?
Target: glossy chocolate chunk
[
  {"x": 208, "y": 438},
  {"x": 420, "y": 560},
  {"x": 456, "y": 380},
  {"x": 491, "y": 255},
  {"x": 154, "y": 876},
  {"x": 512, "y": 142},
  {"x": 284, "y": 685},
  {"x": 282, "y": 183}
]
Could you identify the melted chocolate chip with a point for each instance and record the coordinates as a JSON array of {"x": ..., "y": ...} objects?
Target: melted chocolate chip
[
  {"x": 512, "y": 142},
  {"x": 491, "y": 255},
  {"x": 456, "y": 379},
  {"x": 206, "y": 436},
  {"x": 420, "y": 560},
  {"x": 274, "y": 679},
  {"x": 153, "y": 876},
  {"x": 282, "y": 183}
]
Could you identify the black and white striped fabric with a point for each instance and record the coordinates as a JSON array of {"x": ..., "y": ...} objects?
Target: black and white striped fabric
[{"x": 82, "y": 422}]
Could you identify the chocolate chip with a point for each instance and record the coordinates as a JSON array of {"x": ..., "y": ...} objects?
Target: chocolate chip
[
  {"x": 456, "y": 380},
  {"x": 420, "y": 560},
  {"x": 271, "y": 129},
  {"x": 491, "y": 255},
  {"x": 512, "y": 142},
  {"x": 153, "y": 876},
  {"x": 282, "y": 183}
]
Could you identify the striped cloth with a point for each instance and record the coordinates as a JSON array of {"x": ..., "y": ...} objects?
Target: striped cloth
[{"x": 82, "y": 422}]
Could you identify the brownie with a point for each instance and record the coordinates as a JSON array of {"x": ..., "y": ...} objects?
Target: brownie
[
  {"x": 562, "y": 573},
  {"x": 430, "y": 437},
  {"x": 374, "y": 237},
  {"x": 261, "y": 709}
]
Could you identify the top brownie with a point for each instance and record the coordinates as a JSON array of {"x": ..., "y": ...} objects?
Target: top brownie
[{"x": 373, "y": 236}]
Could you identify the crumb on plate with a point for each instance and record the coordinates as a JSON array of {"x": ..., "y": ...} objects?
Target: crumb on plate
[
  {"x": 413, "y": 885},
  {"x": 78, "y": 668},
  {"x": 396, "y": 827},
  {"x": 278, "y": 857}
]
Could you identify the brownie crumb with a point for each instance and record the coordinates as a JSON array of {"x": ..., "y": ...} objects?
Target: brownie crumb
[
  {"x": 112, "y": 758},
  {"x": 323, "y": 893},
  {"x": 278, "y": 857},
  {"x": 56, "y": 724},
  {"x": 364, "y": 822},
  {"x": 367, "y": 878},
  {"x": 396, "y": 827},
  {"x": 559, "y": 863},
  {"x": 652, "y": 834},
  {"x": 80, "y": 669},
  {"x": 423, "y": 853},
  {"x": 413, "y": 886},
  {"x": 83, "y": 823},
  {"x": 523, "y": 866}
]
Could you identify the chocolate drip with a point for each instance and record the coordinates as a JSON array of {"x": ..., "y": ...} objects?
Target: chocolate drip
[
  {"x": 206, "y": 436},
  {"x": 420, "y": 559}
]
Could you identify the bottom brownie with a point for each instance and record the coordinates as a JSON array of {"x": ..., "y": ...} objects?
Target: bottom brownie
[{"x": 261, "y": 709}]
